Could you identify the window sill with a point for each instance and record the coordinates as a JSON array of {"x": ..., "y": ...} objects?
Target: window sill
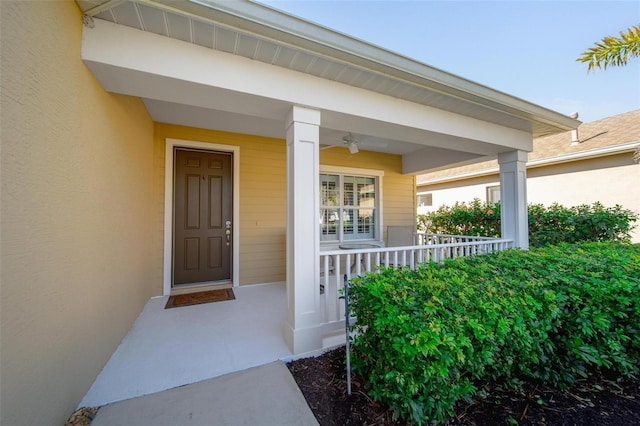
[{"x": 335, "y": 245}]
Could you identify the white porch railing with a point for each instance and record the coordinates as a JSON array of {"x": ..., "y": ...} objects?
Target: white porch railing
[{"x": 336, "y": 264}]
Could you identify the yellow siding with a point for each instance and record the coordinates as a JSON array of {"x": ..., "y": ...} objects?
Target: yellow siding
[
  {"x": 398, "y": 190},
  {"x": 76, "y": 198},
  {"x": 262, "y": 198},
  {"x": 263, "y": 194}
]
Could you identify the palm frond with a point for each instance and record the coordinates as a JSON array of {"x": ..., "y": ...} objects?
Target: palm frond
[{"x": 613, "y": 51}]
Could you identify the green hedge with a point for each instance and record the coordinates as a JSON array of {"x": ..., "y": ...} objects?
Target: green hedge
[
  {"x": 431, "y": 337},
  {"x": 547, "y": 225}
]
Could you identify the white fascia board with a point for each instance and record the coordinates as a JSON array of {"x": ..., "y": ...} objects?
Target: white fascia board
[
  {"x": 598, "y": 152},
  {"x": 559, "y": 159},
  {"x": 268, "y": 22},
  {"x": 460, "y": 176},
  {"x": 139, "y": 63},
  {"x": 108, "y": 5}
]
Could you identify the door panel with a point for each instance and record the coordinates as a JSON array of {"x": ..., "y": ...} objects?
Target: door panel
[
  {"x": 191, "y": 254},
  {"x": 215, "y": 207},
  {"x": 215, "y": 252},
  {"x": 192, "y": 203},
  {"x": 203, "y": 196}
]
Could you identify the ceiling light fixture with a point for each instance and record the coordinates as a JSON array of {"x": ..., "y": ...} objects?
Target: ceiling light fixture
[{"x": 351, "y": 143}]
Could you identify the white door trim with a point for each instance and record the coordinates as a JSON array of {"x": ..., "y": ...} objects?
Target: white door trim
[{"x": 170, "y": 144}]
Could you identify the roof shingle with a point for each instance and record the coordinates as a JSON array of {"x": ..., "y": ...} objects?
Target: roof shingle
[{"x": 608, "y": 132}]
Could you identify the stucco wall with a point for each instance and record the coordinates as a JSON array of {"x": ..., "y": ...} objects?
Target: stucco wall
[
  {"x": 447, "y": 194},
  {"x": 76, "y": 197},
  {"x": 610, "y": 180}
]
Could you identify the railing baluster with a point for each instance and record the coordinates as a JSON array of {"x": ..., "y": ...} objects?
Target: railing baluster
[
  {"x": 337, "y": 302},
  {"x": 324, "y": 287},
  {"x": 335, "y": 265}
]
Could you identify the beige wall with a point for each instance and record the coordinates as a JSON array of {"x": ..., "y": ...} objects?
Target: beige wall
[
  {"x": 76, "y": 197},
  {"x": 610, "y": 180},
  {"x": 447, "y": 194}
]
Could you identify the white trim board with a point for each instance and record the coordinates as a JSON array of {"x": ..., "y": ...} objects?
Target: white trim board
[
  {"x": 350, "y": 170},
  {"x": 353, "y": 171},
  {"x": 170, "y": 144},
  {"x": 540, "y": 162}
]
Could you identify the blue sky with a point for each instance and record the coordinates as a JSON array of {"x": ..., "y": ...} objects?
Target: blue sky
[{"x": 524, "y": 48}]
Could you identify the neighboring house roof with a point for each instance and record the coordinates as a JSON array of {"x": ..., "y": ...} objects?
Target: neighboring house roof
[
  {"x": 264, "y": 34},
  {"x": 611, "y": 135}
]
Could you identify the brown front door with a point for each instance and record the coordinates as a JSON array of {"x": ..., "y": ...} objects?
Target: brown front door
[{"x": 203, "y": 214}]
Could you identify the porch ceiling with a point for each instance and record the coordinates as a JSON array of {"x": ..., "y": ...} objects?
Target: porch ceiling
[{"x": 259, "y": 33}]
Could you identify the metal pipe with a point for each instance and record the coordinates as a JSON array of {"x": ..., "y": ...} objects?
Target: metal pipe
[{"x": 346, "y": 324}]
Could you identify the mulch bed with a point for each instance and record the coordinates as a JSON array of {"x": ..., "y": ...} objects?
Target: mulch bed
[
  {"x": 599, "y": 401},
  {"x": 82, "y": 416}
]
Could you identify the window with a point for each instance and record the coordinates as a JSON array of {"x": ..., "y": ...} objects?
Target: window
[
  {"x": 348, "y": 207},
  {"x": 425, "y": 200},
  {"x": 493, "y": 194}
]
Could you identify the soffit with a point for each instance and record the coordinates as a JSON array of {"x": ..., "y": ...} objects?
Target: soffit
[{"x": 239, "y": 28}]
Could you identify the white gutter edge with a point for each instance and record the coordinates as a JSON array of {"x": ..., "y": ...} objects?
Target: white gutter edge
[
  {"x": 598, "y": 152},
  {"x": 96, "y": 10},
  {"x": 315, "y": 33},
  {"x": 565, "y": 158},
  {"x": 254, "y": 16}
]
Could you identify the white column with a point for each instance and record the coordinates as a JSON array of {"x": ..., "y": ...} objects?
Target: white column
[
  {"x": 302, "y": 328},
  {"x": 513, "y": 197}
]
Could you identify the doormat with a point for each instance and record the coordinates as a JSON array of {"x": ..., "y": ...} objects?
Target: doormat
[{"x": 200, "y": 298}]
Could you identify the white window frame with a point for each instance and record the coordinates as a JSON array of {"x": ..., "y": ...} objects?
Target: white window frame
[
  {"x": 420, "y": 194},
  {"x": 350, "y": 171},
  {"x": 491, "y": 189}
]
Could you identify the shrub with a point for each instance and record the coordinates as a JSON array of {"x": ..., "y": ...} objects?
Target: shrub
[
  {"x": 431, "y": 337},
  {"x": 475, "y": 218},
  {"x": 547, "y": 225}
]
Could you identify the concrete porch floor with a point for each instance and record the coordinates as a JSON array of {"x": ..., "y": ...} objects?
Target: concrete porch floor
[{"x": 167, "y": 348}]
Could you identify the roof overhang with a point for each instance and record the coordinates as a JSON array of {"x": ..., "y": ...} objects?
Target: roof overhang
[{"x": 271, "y": 39}]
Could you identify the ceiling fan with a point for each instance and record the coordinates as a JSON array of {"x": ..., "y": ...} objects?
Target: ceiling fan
[
  {"x": 351, "y": 142},
  {"x": 355, "y": 142}
]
